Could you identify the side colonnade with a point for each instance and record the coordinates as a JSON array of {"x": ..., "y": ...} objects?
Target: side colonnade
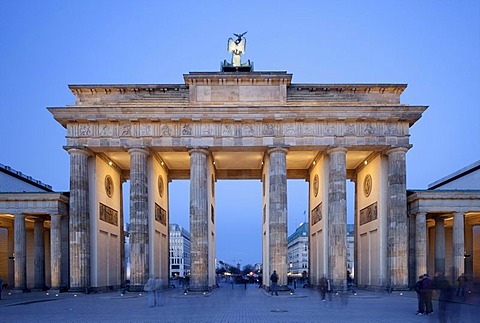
[
  {"x": 444, "y": 225},
  {"x": 36, "y": 240}
]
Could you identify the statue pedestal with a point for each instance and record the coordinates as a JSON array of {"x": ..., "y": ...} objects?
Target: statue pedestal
[{"x": 228, "y": 67}]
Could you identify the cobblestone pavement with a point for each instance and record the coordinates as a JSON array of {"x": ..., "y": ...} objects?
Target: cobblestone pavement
[{"x": 227, "y": 304}]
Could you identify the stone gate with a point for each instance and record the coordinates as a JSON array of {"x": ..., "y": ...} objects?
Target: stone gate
[{"x": 237, "y": 125}]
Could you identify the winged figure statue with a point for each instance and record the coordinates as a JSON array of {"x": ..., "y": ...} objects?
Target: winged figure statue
[{"x": 237, "y": 48}]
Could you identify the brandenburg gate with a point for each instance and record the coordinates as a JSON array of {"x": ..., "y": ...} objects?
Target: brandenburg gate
[{"x": 237, "y": 125}]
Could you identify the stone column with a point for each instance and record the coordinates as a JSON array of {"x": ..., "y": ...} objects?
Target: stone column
[
  {"x": 278, "y": 214},
  {"x": 20, "y": 250},
  {"x": 421, "y": 243},
  {"x": 55, "y": 251},
  {"x": 412, "y": 263},
  {"x": 65, "y": 246},
  {"x": 39, "y": 254},
  {"x": 198, "y": 219},
  {"x": 397, "y": 229},
  {"x": 11, "y": 258},
  {"x": 458, "y": 246},
  {"x": 123, "y": 266},
  {"x": 337, "y": 217},
  {"x": 440, "y": 244},
  {"x": 79, "y": 221},
  {"x": 139, "y": 233},
  {"x": 356, "y": 236}
]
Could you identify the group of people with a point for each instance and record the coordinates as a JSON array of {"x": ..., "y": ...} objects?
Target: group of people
[
  {"x": 425, "y": 286},
  {"x": 424, "y": 289}
]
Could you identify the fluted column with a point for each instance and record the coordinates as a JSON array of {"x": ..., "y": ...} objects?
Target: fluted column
[
  {"x": 421, "y": 243},
  {"x": 198, "y": 219},
  {"x": 397, "y": 229},
  {"x": 278, "y": 213},
  {"x": 39, "y": 254},
  {"x": 55, "y": 251},
  {"x": 20, "y": 250},
  {"x": 337, "y": 217},
  {"x": 139, "y": 233},
  {"x": 79, "y": 221},
  {"x": 65, "y": 246},
  {"x": 440, "y": 245},
  {"x": 458, "y": 245}
]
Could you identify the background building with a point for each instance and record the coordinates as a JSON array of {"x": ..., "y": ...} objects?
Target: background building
[
  {"x": 297, "y": 255},
  {"x": 179, "y": 251},
  {"x": 33, "y": 233},
  {"x": 350, "y": 249},
  {"x": 445, "y": 226}
]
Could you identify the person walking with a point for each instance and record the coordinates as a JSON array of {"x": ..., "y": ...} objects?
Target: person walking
[
  {"x": 427, "y": 291},
  {"x": 158, "y": 290},
  {"x": 461, "y": 282},
  {"x": 323, "y": 287},
  {"x": 418, "y": 288},
  {"x": 1, "y": 287},
  {"x": 150, "y": 289},
  {"x": 274, "y": 280},
  {"x": 442, "y": 284}
]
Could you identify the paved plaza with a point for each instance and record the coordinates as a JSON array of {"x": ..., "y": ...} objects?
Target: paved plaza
[{"x": 227, "y": 304}]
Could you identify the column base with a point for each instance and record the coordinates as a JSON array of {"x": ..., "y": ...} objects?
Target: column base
[
  {"x": 40, "y": 288},
  {"x": 86, "y": 290},
  {"x": 136, "y": 288},
  {"x": 199, "y": 289}
]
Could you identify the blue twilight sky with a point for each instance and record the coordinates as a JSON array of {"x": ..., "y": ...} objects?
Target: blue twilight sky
[{"x": 433, "y": 46}]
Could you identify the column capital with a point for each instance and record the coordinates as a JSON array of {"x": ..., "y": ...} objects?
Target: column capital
[
  {"x": 78, "y": 149},
  {"x": 202, "y": 150},
  {"x": 19, "y": 215},
  {"x": 272, "y": 149},
  {"x": 331, "y": 150},
  {"x": 396, "y": 149},
  {"x": 138, "y": 149},
  {"x": 39, "y": 219}
]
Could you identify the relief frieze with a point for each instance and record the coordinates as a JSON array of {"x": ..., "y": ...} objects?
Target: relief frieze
[
  {"x": 160, "y": 214},
  {"x": 368, "y": 214},
  {"x": 289, "y": 129},
  {"x": 268, "y": 129},
  {"x": 126, "y": 130},
  {"x": 105, "y": 130},
  {"x": 85, "y": 130},
  {"x": 109, "y": 215},
  {"x": 165, "y": 131},
  {"x": 146, "y": 130},
  {"x": 248, "y": 130},
  {"x": 316, "y": 214},
  {"x": 254, "y": 129},
  {"x": 186, "y": 129},
  {"x": 369, "y": 130},
  {"x": 349, "y": 129},
  {"x": 207, "y": 130},
  {"x": 227, "y": 130}
]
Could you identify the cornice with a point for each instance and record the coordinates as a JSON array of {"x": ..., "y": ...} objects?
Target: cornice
[{"x": 201, "y": 114}]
